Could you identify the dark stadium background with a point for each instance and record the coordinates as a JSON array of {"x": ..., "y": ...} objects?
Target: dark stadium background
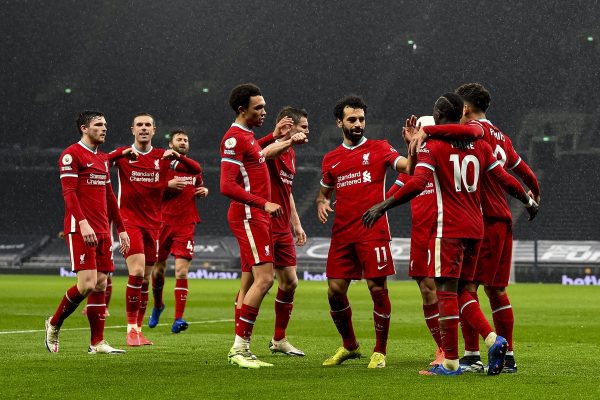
[{"x": 178, "y": 60}]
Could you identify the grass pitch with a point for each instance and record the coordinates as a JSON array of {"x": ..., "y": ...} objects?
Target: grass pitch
[{"x": 557, "y": 348}]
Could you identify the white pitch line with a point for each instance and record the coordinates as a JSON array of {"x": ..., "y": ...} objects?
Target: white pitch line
[{"x": 215, "y": 321}]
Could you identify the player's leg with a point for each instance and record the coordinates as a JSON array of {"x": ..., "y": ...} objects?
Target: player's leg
[
  {"x": 445, "y": 268},
  {"x": 341, "y": 314},
  {"x": 108, "y": 293},
  {"x": 158, "y": 282},
  {"x": 97, "y": 299},
  {"x": 284, "y": 304},
  {"x": 83, "y": 261},
  {"x": 470, "y": 311},
  {"x": 182, "y": 267},
  {"x": 431, "y": 313},
  {"x": 136, "y": 261},
  {"x": 471, "y": 360},
  {"x": 150, "y": 239}
]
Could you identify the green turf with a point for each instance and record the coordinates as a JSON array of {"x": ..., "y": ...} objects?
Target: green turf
[{"x": 557, "y": 348}]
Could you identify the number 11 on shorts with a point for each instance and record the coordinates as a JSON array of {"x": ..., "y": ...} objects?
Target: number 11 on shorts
[{"x": 381, "y": 254}]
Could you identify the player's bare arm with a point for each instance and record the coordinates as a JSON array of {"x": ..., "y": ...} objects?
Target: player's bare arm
[
  {"x": 299, "y": 233},
  {"x": 323, "y": 204},
  {"x": 274, "y": 150},
  {"x": 282, "y": 128}
]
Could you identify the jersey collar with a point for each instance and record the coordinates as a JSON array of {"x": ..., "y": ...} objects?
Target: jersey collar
[
  {"x": 141, "y": 152},
  {"x": 85, "y": 146},
  {"x": 360, "y": 143},
  {"x": 242, "y": 127}
]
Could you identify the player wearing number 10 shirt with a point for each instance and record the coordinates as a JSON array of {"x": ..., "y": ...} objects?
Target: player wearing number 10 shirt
[
  {"x": 456, "y": 168},
  {"x": 494, "y": 262},
  {"x": 355, "y": 171}
]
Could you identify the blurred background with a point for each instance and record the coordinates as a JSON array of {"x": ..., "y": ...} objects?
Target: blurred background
[{"x": 178, "y": 60}]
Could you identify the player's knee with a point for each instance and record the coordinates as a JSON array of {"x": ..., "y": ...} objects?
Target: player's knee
[
  {"x": 428, "y": 294},
  {"x": 494, "y": 291},
  {"x": 263, "y": 283},
  {"x": 100, "y": 286},
  {"x": 289, "y": 286}
]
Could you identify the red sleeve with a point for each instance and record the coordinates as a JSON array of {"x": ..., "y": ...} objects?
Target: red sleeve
[
  {"x": 508, "y": 182},
  {"x": 398, "y": 183},
  {"x": 414, "y": 185},
  {"x": 266, "y": 140},
  {"x": 114, "y": 155},
  {"x": 199, "y": 180},
  {"x": 69, "y": 191},
  {"x": 525, "y": 173},
  {"x": 231, "y": 189},
  {"x": 113, "y": 208},
  {"x": 186, "y": 164},
  {"x": 454, "y": 131}
]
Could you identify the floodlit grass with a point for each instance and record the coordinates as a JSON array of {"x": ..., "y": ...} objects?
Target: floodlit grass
[{"x": 557, "y": 339}]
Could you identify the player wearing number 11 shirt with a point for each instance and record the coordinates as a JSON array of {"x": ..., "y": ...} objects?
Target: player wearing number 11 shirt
[{"x": 456, "y": 168}]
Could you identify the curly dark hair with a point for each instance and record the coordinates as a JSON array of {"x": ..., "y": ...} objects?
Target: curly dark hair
[
  {"x": 240, "y": 96},
  {"x": 351, "y": 101},
  {"x": 449, "y": 106},
  {"x": 476, "y": 95}
]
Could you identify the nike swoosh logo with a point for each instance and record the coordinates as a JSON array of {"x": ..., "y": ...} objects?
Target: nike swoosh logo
[
  {"x": 382, "y": 267},
  {"x": 335, "y": 165},
  {"x": 132, "y": 161},
  {"x": 90, "y": 164}
]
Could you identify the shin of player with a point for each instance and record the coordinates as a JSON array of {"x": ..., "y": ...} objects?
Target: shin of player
[{"x": 89, "y": 200}]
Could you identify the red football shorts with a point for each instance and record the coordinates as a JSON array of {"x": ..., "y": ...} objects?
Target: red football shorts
[
  {"x": 177, "y": 240},
  {"x": 418, "y": 265},
  {"x": 453, "y": 258},
  {"x": 255, "y": 240},
  {"x": 495, "y": 257},
  {"x": 372, "y": 259},
  {"x": 143, "y": 241},
  {"x": 284, "y": 250},
  {"x": 85, "y": 257}
]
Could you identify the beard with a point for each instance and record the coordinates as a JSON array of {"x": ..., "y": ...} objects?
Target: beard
[{"x": 353, "y": 135}]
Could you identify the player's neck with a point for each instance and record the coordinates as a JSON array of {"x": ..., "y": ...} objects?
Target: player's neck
[
  {"x": 143, "y": 147},
  {"x": 242, "y": 121},
  {"x": 478, "y": 116}
]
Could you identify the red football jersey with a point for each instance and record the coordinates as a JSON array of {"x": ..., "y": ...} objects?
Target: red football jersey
[
  {"x": 282, "y": 170},
  {"x": 493, "y": 197},
  {"x": 357, "y": 174},
  {"x": 141, "y": 186},
  {"x": 84, "y": 175},
  {"x": 457, "y": 168},
  {"x": 179, "y": 206},
  {"x": 423, "y": 208},
  {"x": 248, "y": 186}
]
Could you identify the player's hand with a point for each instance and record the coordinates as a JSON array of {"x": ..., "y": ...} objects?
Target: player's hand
[
  {"x": 201, "y": 192},
  {"x": 273, "y": 209},
  {"x": 89, "y": 236},
  {"x": 124, "y": 242},
  {"x": 532, "y": 209},
  {"x": 299, "y": 138},
  {"x": 323, "y": 210},
  {"x": 372, "y": 215},
  {"x": 537, "y": 198},
  {"x": 300, "y": 235},
  {"x": 283, "y": 127},
  {"x": 176, "y": 184},
  {"x": 417, "y": 141},
  {"x": 170, "y": 154},
  {"x": 130, "y": 154}
]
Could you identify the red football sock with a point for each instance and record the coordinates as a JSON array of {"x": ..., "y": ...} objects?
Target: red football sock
[
  {"x": 382, "y": 309},
  {"x": 470, "y": 312},
  {"x": 246, "y": 321},
  {"x": 470, "y": 335},
  {"x": 341, "y": 313},
  {"x": 448, "y": 320},
  {"x": 96, "y": 310},
  {"x": 67, "y": 305},
  {"x": 284, "y": 303},
  {"x": 236, "y": 312},
  {"x": 132, "y": 296},
  {"x": 108, "y": 291},
  {"x": 504, "y": 319},
  {"x": 143, "y": 303},
  {"x": 181, "y": 293},
  {"x": 158, "y": 282},
  {"x": 431, "y": 313}
]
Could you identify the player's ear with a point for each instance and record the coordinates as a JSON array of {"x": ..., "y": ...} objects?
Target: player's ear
[
  {"x": 241, "y": 109},
  {"x": 339, "y": 122}
]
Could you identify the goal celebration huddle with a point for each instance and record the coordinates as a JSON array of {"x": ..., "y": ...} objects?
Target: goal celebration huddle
[{"x": 452, "y": 166}]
